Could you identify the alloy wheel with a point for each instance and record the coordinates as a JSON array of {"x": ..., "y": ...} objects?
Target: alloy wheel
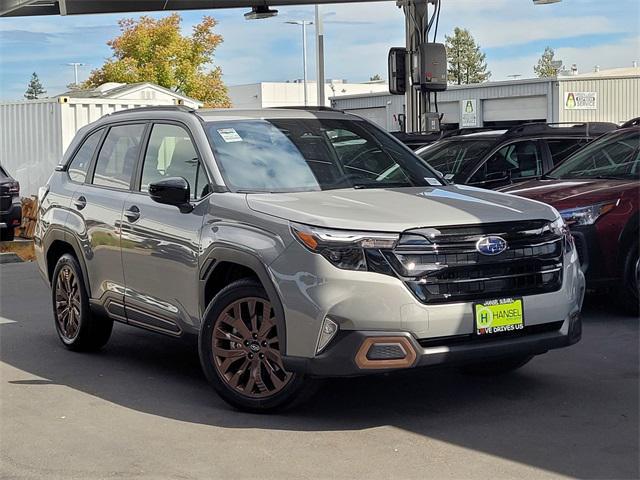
[
  {"x": 246, "y": 349},
  {"x": 68, "y": 304}
]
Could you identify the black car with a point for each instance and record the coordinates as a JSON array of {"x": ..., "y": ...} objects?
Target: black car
[
  {"x": 491, "y": 158},
  {"x": 10, "y": 206}
]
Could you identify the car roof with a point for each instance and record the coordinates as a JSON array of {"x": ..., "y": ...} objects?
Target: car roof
[{"x": 224, "y": 114}]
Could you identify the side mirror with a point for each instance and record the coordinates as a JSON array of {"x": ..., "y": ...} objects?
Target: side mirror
[{"x": 171, "y": 191}]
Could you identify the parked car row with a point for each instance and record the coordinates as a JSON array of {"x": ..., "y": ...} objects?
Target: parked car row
[{"x": 595, "y": 187}]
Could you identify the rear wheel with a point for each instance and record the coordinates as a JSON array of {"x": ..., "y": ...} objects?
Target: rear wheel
[
  {"x": 240, "y": 351},
  {"x": 497, "y": 367},
  {"x": 76, "y": 327},
  {"x": 631, "y": 289}
]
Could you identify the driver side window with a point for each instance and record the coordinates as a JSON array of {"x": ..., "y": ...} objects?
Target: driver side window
[
  {"x": 514, "y": 161},
  {"x": 171, "y": 153}
]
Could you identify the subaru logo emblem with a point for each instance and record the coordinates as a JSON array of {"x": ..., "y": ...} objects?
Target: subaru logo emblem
[{"x": 491, "y": 245}]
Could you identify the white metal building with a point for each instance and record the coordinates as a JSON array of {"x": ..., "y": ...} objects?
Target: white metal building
[
  {"x": 34, "y": 134},
  {"x": 607, "y": 96},
  {"x": 287, "y": 94}
]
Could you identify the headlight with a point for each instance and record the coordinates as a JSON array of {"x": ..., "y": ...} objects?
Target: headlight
[
  {"x": 343, "y": 248},
  {"x": 587, "y": 215}
]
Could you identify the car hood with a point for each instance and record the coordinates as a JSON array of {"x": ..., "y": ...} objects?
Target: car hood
[
  {"x": 399, "y": 209},
  {"x": 572, "y": 193}
]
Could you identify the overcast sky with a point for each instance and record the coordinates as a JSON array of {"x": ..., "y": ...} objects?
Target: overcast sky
[{"x": 513, "y": 34}]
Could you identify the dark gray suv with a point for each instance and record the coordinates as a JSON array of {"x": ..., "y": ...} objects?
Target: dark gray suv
[{"x": 296, "y": 244}]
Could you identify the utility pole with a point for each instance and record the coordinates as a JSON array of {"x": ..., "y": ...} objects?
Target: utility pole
[
  {"x": 304, "y": 24},
  {"x": 320, "y": 57}
]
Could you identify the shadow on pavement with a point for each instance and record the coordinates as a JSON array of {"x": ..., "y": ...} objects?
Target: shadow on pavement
[{"x": 573, "y": 411}]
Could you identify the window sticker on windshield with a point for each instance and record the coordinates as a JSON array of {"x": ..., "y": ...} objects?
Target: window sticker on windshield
[
  {"x": 229, "y": 135},
  {"x": 432, "y": 181}
]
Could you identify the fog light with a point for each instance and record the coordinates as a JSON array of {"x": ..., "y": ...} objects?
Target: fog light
[{"x": 327, "y": 332}]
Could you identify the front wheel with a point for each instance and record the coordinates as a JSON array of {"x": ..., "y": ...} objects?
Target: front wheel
[
  {"x": 497, "y": 367},
  {"x": 239, "y": 351}
]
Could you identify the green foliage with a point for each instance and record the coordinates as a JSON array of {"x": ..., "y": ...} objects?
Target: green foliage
[
  {"x": 150, "y": 50},
  {"x": 35, "y": 89},
  {"x": 375, "y": 78},
  {"x": 467, "y": 64},
  {"x": 544, "y": 68}
]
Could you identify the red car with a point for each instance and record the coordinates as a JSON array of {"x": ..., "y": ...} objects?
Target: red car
[{"x": 597, "y": 192}]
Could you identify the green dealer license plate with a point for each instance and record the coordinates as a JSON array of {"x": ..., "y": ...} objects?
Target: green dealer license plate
[{"x": 499, "y": 316}]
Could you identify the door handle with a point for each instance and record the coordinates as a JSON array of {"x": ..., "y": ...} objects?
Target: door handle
[
  {"x": 132, "y": 214},
  {"x": 80, "y": 202}
]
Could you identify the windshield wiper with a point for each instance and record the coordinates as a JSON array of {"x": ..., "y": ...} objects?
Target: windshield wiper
[{"x": 359, "y": 186}]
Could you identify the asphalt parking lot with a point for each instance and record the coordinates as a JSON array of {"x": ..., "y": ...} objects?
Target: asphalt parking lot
[{"x": 142, "y": 409}]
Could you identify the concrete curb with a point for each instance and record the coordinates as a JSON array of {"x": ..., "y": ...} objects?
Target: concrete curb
[{"x": 10, "y": 257}]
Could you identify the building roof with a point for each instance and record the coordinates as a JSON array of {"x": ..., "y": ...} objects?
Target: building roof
[
  {"x": 117, "y": 90},
  {"x": 609, "y": 73}
]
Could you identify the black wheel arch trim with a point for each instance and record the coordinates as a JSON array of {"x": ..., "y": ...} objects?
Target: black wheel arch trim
[
  {"x": 58, "y": 234},
  {"x": 220, "y": 254}
]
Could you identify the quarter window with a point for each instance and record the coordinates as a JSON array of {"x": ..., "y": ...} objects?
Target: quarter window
[
  {"x": 80, "y": 164},
  {"x": 171, "y": 153},
  {"x": 118, "y": 155}
]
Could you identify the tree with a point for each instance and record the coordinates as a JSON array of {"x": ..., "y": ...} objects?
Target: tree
[
  {"x": 150, "y": 50},
  {"x": 35, "y": 89},
  {"x": 467, "y": 64},
  {"x": 545, "y": 67},
  {"x": 375, "y": 78}
]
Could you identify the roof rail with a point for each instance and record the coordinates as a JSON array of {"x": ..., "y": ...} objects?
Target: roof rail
[
  {"x": 588, "y": 128},
  {"x": 156, "y": 108},
  {"x": 310, "y": 108},
  {"x": 634, "y": 122},
  {"x": 465, "y": 131}
]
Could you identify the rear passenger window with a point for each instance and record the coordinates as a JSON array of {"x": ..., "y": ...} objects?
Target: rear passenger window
[
  {"x": 516, "y": 160},
  {"x": 80, "y": 164},
  {"x": 118, "y": 155},
  {"x": 562, "y": 148}
]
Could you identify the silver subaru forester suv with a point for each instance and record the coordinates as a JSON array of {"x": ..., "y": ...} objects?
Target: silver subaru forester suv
[{"x": 296, "y": 244}]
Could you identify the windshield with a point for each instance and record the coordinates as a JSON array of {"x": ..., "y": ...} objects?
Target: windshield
[
  {"x": 452, "y": 156},
  {"x": 288, "y": 155},
  {"x": 611, "y": 156}
]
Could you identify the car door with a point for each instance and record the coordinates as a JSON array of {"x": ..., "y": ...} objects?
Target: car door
[
  {"x": 160, "y": 243},
  {"x": 515, "y": 162},
  {"x": 97, "y": 212}
]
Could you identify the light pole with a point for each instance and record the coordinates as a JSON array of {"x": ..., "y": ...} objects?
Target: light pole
[
  {"x": 320, "y": 57},
  {"x": 75, "y": 66},
  {"x": 304, "y": 24}
]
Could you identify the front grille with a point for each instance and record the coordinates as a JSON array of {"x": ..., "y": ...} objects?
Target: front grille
[
  {"x": 448, "y": 268},
  {"x": 472, "y": 338}
]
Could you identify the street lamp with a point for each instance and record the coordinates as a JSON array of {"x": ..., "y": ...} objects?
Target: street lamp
[
  {"x": 304, "y": 24},
  {"x": 75, "y": 66}
]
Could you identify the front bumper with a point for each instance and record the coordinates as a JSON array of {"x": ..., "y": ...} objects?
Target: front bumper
[{"x": 341, "y": 358}]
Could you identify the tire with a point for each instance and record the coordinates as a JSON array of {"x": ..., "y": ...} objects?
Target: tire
[
  {"x": 77, "y": 328},
  {"x": 497, "y": 367},
  {"x": 631, "y": 281},
  {"x": 242, "y": 360},
  {"x": 7, "y": 234}
]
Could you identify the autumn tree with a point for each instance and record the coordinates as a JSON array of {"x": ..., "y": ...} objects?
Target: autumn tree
[
  {"x": 467, "y": 64},
  {"x": 35, "y": 89},
  {"x": 545, "y": 67},
  {"x": 150, "y": 50}
]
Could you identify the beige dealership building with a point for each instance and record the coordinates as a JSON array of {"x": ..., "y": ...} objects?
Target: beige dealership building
[{"x": 603, "y": 96}]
